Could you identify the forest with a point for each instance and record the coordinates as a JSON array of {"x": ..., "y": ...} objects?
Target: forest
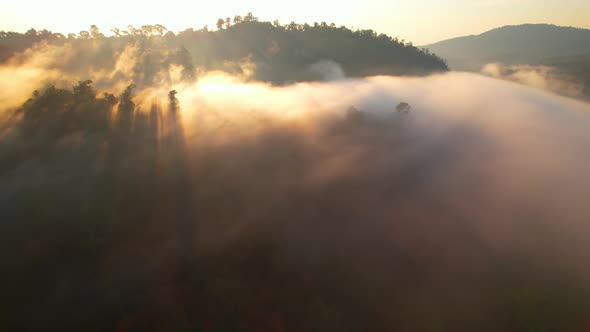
[
  {"x": 278, "y": 53},
  {"x": 236, "y": 180},
  {"x": 114, "y": 219}
]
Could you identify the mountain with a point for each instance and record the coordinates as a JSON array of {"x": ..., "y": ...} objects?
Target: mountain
[
  {"x": 518, "y": 44},
  {"x": 273, "y": 52}
]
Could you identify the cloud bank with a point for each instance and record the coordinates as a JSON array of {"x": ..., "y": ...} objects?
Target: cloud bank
[{"x": 403, "y": 212}]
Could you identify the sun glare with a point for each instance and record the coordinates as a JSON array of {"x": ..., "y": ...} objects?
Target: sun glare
[{"x": 226, "y": 87}]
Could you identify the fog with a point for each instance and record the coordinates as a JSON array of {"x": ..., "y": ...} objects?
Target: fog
[
  {"x": 319, "y": 193},
  {"x": 505, "y": 159},
  {"x": 546, "y": 78}
]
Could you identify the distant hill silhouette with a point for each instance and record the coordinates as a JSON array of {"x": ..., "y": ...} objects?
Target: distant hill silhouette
[
  {"x": 520, "y": 44},
  {"x": 279, "y": 53}
]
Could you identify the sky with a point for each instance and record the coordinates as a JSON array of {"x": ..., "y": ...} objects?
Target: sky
[{"x": 419, "y": 21}]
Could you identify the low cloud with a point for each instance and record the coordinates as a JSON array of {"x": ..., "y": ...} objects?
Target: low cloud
[
  {"x": 329, "y": 177},
  {"x": 541, "y": 77}
]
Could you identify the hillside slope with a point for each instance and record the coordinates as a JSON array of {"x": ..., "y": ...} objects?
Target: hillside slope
[
  {"x": 520, "y": 44},
  {"x": 272, "y": 52}
]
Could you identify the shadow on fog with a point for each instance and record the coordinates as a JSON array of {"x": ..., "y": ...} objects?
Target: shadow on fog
[{"x": 113, "y": 218}]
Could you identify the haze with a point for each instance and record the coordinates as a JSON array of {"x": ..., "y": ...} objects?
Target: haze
[
  {"x": 422, "y": 22},
  {"x": 278, "y": 176}
]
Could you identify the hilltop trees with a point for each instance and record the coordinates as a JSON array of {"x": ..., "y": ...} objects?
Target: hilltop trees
[
  {"x": 279, "y": 52},
  {"x": 219, "y": 24}
]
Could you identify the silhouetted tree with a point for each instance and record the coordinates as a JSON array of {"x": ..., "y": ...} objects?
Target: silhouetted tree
[
  {"x": 184, "y": 58},
  {"x": 160, "y": 29},
  {"x": 220, "y": 23},
  {"x": 403, "y": 107},
  {"x": 126, "y": 104},
  {"x": 83, "y": 91},
  {"x": 95, "y": 32},
  {"x": 172, "y": 101},
  {"x": 250, "y": 18}
]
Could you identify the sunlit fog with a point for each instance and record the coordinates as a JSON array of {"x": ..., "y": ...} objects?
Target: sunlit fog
[{"x": 266, "y": 175}]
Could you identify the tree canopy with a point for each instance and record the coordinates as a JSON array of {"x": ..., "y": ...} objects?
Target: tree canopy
[{"x": 280, "y": 52}]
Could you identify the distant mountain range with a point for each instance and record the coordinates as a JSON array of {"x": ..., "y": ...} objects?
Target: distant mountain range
[{"x": 520, "y": 44}]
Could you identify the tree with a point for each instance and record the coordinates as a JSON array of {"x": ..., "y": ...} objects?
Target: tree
[
  {"x": 172, "y": 101},
  {"x": 403, "y": 108},
  {"x": 110, "y": 99},
  {"x": 250, "y": 18},
  {"x": 227, "y": 22},
  {"x": 31, "y": 32},
  {"x": 220, "y": 23},
  {"x": 133, "y": 31},
  {"x": 237, "y": 19},
  {"x": 147, "y": 30},
  {"x": 83, "y": 91},
  {"x": 95, "y": 32},
  {"x": 160, "y": 29},
  {"x": 183, "y": 58},
  {"x": 126, "y": 103}
]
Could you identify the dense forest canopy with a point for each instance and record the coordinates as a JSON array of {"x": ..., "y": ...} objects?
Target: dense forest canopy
[{"x": 279, "y": 53}]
